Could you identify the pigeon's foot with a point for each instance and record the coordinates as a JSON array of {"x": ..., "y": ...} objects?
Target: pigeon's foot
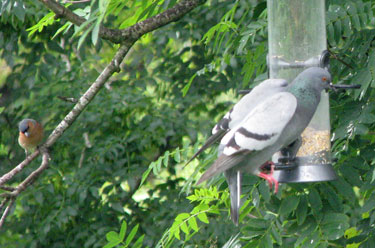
[{"x": 268, "y": 176}]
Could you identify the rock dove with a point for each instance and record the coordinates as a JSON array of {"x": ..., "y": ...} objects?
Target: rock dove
[
  {"x": 239, "y": 111},
  {"x": 274, "y": 123}
]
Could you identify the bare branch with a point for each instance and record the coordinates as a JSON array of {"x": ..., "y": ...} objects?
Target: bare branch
[
  {"x": 33, "y": 176},
  {"x": 68, "y": 99},
  {"x": 6, "y": 177},
  {"x": 3, "y": 203},
  {"x": 6, "y": 212},
  {"x": 7, "y": 188}
]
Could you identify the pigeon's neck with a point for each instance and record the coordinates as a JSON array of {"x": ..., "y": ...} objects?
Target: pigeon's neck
[{"x": 305, "y": 93}]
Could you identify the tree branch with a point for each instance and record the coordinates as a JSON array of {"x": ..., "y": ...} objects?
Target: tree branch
[
  {"x": 6, "y": 211},
  {"x": 131, "y": 33},
  {"x": 6, "y": 177}
]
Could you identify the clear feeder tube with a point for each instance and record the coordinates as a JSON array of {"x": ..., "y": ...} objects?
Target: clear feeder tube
[{"x": 296, "y": 40}]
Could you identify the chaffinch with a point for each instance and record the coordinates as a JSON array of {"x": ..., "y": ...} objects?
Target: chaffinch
[{"x": 31, "y": 134}]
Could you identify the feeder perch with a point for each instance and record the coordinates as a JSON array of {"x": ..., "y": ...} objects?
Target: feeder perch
[{"x": 297, "y": 40}]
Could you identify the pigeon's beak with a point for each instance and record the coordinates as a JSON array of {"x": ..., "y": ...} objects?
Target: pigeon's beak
[{"x": 337, "y": 87}]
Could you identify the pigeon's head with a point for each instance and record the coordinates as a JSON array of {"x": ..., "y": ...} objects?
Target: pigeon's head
[{"x": 317, "y": 77}]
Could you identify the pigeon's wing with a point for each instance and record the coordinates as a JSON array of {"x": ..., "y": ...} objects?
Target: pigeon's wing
[
  {"x": 263, "y": 126},
  {"x": 258, "y": 95},
  {"x": 211, "y": 140},
  {"x": 248, "y": 102},
  {"x": 260, "y": 129},
  {"x": 223, "y": 124}
]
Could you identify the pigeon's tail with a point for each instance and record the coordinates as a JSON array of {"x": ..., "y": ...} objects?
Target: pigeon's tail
[
  {"x": 234, "y": 184},
  {"x": 224, "y": 163},
  {"x": 212, "y": 139}
]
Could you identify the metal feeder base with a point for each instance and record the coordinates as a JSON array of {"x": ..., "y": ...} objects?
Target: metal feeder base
[{"x": 306, "y": 173}]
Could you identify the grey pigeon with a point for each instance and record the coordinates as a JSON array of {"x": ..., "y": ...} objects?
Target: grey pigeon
[
  {"x": 274, "y": 123},
  {"x": 239, "y": 111}
]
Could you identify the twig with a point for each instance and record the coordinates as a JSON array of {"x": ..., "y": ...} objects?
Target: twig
[
  {"x": 68, "y": 99},
  {"x": 340, "y": 60},
  {"x": 6, "y": 188},
  {"x": 3, "y": 203},
  {"x": 6, "y": 212}
]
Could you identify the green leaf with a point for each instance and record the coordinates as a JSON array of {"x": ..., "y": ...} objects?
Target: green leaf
[
  {"x": 145, "y": 174},
  {"x": 187, "y": 86},
  {"x": 314, "y": 200},
  {"x": 112, "y": 236},
  {"x": 301, "y": 211},
  {"x": 177, "y": 155},
  {"x": 176, "y": 233},
  {"x": 182, "y": 216},
  {"x": 288, "y": 205},
  {"x": 83, "y": 37},
  {"x": 333, "y": 199},
  {"x": 184, "y": 228},
  {"x": 193, "y": 224},
  {"x": 111, "y": 244},
  {"x": 123, "y": 230},
  {"x": 157, "y": 166},
  {"x": 131, "y": 235},
  {"x": 203, "y": 217},
  {"x": 139, "y": 242},
  {"x": 364, "y": 78},
  {"x": 334, "y": 225},
  {"x": 264, "y": 191},
  {"x": 45, "y": 21},
  {"x": 266, "y": 241},
  {"x": 276, "y": 235},
  {"x": 103, "y": 5},
  {"x": 346, "y": 24},
  {"x": 258, "y": 223},
  {"x": 369, "y": 204},
  {"x": 95, "y": 32},
  {"x": 351, "y": 232},
  {"x": 166, "y": 159}
]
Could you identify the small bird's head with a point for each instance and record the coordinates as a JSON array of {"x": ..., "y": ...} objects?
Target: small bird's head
[{"x": 26, "y": 125}]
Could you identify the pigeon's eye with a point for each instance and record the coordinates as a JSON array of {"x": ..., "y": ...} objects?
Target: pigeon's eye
[{"x": 324, "y": 79}]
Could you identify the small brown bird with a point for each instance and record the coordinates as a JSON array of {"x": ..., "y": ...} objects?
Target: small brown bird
[{"x": 31, "y": 134}]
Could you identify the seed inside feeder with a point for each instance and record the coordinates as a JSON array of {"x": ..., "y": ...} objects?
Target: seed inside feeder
[{"x": 316, "y": 145}]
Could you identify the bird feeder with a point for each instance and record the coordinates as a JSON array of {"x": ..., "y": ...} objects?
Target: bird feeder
[{"x": 296, "y": 41}]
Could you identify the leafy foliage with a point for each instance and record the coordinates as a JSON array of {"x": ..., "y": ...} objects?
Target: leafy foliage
[
  {"x": 115, "y": 239},
  {"x": 174, "y": 85}
]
